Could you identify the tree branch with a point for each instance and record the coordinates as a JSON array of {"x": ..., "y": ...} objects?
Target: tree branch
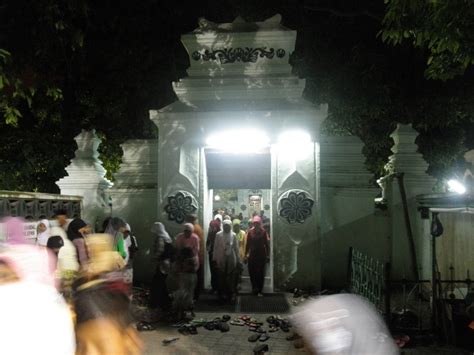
[{"x": 338, "y": 13}]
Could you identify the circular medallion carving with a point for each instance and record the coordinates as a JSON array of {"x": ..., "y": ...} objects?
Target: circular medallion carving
[
  {"x": 280, "y": 52},
  {"x": 180, "y": 205},
  {"x": 295, "y": 206}
]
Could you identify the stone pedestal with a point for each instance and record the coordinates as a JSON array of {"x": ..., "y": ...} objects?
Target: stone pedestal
[
  {"x": 407, "y": 161},
  {"x": 134, "y": 197},
  {"x": 86, "y": 178}
]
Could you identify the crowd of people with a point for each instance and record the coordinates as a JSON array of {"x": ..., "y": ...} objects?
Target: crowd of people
[
  {"x": 86, "y": 278},
  {"x": 179, "y": 262},
  {"x": 70, "y": 290}
]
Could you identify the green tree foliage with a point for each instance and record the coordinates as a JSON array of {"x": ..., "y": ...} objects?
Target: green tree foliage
[{"x": 443, "y": 28}]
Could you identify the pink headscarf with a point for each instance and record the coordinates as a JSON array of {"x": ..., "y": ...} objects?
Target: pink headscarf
[{"x": 257, "y": 219}]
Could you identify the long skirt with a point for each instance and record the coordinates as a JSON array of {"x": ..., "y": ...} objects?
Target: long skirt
[
  {"x": 184, "y": 294},
  {"x": 257, "y": 273},
  {"x": 159, "y": 296},
  {"x": 228, "y": 276},
  {"x": 214, "y": 276}
]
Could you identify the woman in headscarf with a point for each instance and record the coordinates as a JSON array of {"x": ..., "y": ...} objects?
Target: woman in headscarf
[
  {"x": 241, "y": 237},
  {"x": 257, "y": 253},
  {"x": 214, "y": 228},
  {"x": 116, "y": 228},
  {"x": 104, "y": 319},
  {"x": 186, "y": 266},
  {"x": 226, "y": 257},
  {"x": 43, "y": 232},
  {"x": 76, "y": 232},
  {"x": 162, "y": 251},
  {"x": 67, "y": 264}
]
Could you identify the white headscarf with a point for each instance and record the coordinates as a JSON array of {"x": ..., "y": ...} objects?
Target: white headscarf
[
  {"x": 44, "y": 236},
  {"x": 159, "y": 230}
]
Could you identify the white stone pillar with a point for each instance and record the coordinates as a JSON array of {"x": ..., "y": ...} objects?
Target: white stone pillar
[
  {"x": 407, "y": 161},
  {"x": 86, "y": 177},
  {"x": 134, "y": 197}
]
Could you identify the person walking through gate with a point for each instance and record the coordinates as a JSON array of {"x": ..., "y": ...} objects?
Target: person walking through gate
[
  {"x": 226, "y": 256},
  {"x": 257, "y": 254},
  {"x": 202, "y": 247},
  {"x": 214, "y": 228},
  {"x": 162, "y": 251}
]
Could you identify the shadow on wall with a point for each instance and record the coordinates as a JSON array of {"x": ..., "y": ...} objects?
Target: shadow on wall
[{"x": 368, "y": 234}]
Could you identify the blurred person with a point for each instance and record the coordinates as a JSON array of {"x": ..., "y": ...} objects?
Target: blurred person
[
  {"x": 131, "y": 247},
  {"x": 61, "y": 218},
  {"x": 44, "y": 232},
  {"x": 26, "y": 326},
  {"x": 343, "y": 324},
  {"x": 76, "y": 232},
  {"x": 202, "y": 248},
  {"x": 241, "y": 237},
  {"x": 54, "y": 244},
  {"x": 257, "y": 254},
  {"x": 226, "y": 257},
  {"x": 214, "y": 228},
  {"x": 185, "y": 267},
  {"x": 115, "y": 228},
  {"x": 104, "y": 320},
  {"x": 67, "y": 263},
  {"x": 162, "y": 251}
]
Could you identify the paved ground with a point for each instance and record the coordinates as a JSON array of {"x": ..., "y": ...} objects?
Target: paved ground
[{"x": 214, "y": 342}]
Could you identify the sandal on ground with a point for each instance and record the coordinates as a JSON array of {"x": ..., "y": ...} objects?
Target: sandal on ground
[
  {"x": 223, "y": 327},
  {"x": 293, "y": 337},
  {"x": 260, "y": 349},
  {"x": 144, "y": 326},
  {"x": 192, "y": 330},
  {"x": 264, "y": 337},
  {"x": 254, "y": 337},
  {"x": 184, "y": 330}
]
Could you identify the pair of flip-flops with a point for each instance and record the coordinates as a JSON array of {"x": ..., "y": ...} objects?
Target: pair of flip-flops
[
  {"x": 237, "y": 322},
  {"x": 258, "y": 336}
]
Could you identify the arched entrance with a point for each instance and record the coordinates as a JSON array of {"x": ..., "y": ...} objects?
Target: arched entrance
[{"x": 227, "y": 91}]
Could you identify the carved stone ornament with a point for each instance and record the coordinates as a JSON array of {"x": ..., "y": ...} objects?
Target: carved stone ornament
[
  {"x": 295, "y": 206},
  {"x": 180, "y": 205},
  {"x": 232, "y": 55}
]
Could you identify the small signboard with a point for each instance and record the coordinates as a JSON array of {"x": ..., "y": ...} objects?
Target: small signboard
[{"x": 29, "y": 230}]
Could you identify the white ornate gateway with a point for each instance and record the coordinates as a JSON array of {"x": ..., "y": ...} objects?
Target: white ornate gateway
[{"x": 240, "y": 82}]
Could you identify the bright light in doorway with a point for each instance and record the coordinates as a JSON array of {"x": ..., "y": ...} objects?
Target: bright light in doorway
[
  {"x": 239, "y": 141},
  {"x": 295, "y": 145},
  {"x": 456, "y": 186}
]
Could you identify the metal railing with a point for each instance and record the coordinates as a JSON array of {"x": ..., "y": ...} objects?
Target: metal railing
[{"x": 368, "y": 277}]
